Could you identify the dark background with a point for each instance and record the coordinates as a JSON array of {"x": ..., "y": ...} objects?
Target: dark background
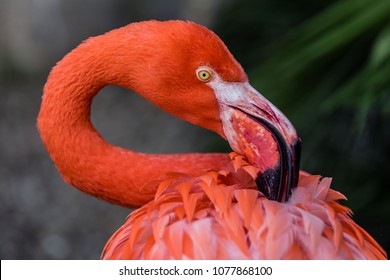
[{"x": 325, "y": 64}]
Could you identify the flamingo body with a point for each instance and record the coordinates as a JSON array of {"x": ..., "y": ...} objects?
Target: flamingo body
[
  {"x": 221, "y": 215},
  {"x": 251, "y": 204}
]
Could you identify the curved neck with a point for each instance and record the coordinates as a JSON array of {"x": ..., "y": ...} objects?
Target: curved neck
[{"x": 82, "y": 156}]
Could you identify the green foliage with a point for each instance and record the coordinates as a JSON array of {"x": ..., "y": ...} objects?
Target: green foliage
[{"x": 326, "y": 65}]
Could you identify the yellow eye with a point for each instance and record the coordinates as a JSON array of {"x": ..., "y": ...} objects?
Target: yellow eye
[{"x": 204, "y": 75}]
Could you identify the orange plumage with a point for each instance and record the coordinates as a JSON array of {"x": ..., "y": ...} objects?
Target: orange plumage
[
  {"x": 221, "y": 215},
  {"x": 246, "y": 205}
]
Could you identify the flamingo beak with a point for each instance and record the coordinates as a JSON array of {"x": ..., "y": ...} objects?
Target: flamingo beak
[{"x": 258, "y": 130}]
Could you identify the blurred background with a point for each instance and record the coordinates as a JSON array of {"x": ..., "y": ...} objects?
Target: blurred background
[{"x": 325, "y": 64}]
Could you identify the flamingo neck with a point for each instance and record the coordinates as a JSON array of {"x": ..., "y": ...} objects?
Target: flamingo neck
[{"x": 84, "y": 159}]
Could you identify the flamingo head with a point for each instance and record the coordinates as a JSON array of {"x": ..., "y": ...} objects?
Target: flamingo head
[{"x": 188, "y": 71}]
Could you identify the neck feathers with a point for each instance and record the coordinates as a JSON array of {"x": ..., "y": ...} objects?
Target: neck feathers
[{"x": 81, "y": 155}]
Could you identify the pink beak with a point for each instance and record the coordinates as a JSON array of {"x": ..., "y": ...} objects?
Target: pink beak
[{"x": 256, "y": 129}]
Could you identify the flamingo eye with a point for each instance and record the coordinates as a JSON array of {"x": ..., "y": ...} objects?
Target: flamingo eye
[{"x": 204, "y": 74}]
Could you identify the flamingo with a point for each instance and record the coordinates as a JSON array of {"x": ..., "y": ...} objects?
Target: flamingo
[{"x": 253, "y": 203}]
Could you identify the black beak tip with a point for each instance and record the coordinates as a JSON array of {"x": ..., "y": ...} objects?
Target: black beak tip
[
  {"x": 278, "y": 182},
  {"x": 266, "y": 182}
]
